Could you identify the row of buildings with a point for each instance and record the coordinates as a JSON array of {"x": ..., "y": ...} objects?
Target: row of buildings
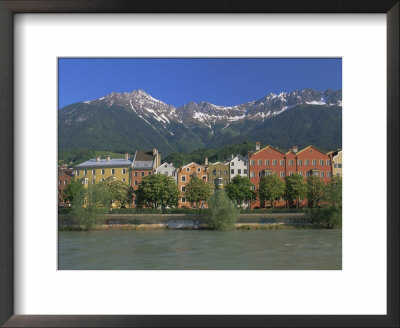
[{"x": 255, "y": 165}]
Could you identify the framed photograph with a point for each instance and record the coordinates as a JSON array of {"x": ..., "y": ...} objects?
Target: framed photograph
[{"x": 162, "y": 73}]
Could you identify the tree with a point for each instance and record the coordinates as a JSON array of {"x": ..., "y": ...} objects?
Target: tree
[
  {"x": 271, "y": 189},
  {"x": 197, "y": 191},
  {"x": 120, "y": 192},
  {"x": 73, "y": 190},
  {"x": 90, "y": 204},
  {"x": 315, "y": 191},
  {"x": 239, "y": 190},
  {"x": 333, "y": 192},
  {"x": 295, "y": 188},
  {"x": 222, "y": 214},
  {"x": 157, "y": 190}
]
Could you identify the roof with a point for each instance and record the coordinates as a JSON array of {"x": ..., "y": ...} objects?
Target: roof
[
  {"x": 218, "y": 163},
  {"x": 143, "y": 160},
  {"x": 192, "y": 164},
  {"x": 113, "y": 162},
  {"x": 311, "y": 146},
  {"x": 165, "y": 165},
  {"x": 269, "y": 146},
  {"x": 244, "y": 159}
]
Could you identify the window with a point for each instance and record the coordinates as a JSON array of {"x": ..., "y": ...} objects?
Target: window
[
  {"x": 183, "y": 199},
  {"x": 252, "y": 162},
  {"x": 338, "y": 174},
  {"x": 59, "y": 182},
  {"x": 77, "y": 173},
  {"x": 239, "y": 171},
  {"x": 183, "y": 188},
  {"x": 290, "y": 172},
  {"x": 328, "y": 162},
  {"x": 226, "y": 172},
  {"x": 148, "y": 173},
  {"x": 274, "y": 162},
  {"x": 136, "y": 183},
  {"x": 219, "y": 172},
  {"x": 282, "y": 174},
  {"x": 259, "y": 162},
  {"x": 123, "y": 171},
  {"x": 315, "y": 173},
  {"x": 183, "y": 178},
  {"x": 282, "y": 162},
  {"x": 322, "y": 174},
  {"x": 232, "y": 163},
  {"x": 173, "y": 174},
  {"x": 328, "y": 174},
  {"x": 187, "y": 169},
  {"x": 136, "y": 174},
  {"x": 123, "y": 179},
  {"x": 112, "y": 171},
  {"x": 204, "y": 178},
  {"x": 306, "y": 162},
  {"x": 267, "y": 162},
  {"x": 103, "y": 171},
  {"x": 253, "y": 187},
  {"x": 299, "y": 162},
  {"x": 314, "y": 162},
  {"x": 300, "y": 173},
  {"x": 245, "y": 171},
  {"x": 85, "y": 181},
  {"x": 102, "y": 179},
  {"x": 93, "y": 181},
  {"x": 198, "y": 169},
  {"x": 321, "y": 162},
  {"x": 291, "y": 162},
  {"x": 93, "y": 172},
  {"x": 142, "y": 174},
  {"x": 65, "y": 182},
  {"x": 307, "y": 174},
  {"x": 84, "y": 172},
  {"x": 232, "y": 171},
  {"x": 253, "y": 174}
]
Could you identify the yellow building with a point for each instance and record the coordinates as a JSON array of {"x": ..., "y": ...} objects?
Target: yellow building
[
  {"x": 218, "y": 175},
  {"x": 337, "y": 164},
  {"x": 98, "y": 169}
]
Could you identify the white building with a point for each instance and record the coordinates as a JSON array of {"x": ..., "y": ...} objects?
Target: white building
[
  {"x": 238, "y": 166},
  {"x": 168, "y": 169}
]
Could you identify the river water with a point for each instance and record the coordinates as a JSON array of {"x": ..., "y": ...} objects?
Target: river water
[{"x": 299, "y": 249}]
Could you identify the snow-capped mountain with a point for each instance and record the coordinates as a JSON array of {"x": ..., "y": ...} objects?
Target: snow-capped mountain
[
  {"x": 207, "y": 114},
  {"x": 136, "y": 118}
]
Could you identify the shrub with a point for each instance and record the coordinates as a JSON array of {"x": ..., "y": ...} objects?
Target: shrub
[
  {"x": 329, "y": 216},
  {"x": 222, "y": 214}
]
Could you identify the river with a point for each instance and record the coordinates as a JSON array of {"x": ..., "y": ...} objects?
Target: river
[{"x": 299, "y": 249}]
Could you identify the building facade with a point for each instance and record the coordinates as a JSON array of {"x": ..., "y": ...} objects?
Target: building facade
[
  {"x": 169, "y": 170},
  {"x": 185, "y": 174},
  {"x": 312, "y": 161},
  {"x": 65, "y": 175},
  {"x": 337, "y": 163},
  {"x": 238, "y": 165},
  {"x": 218, "y": 174},
  {"x": 98, "y": 169}
]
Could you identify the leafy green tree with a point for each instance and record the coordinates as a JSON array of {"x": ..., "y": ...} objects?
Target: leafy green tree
[
  {"x": 271, "y": 189},
  {"x": 91, "y": 204},
  {"x": 157, "y": 190},
  {"x": 239, "y": 190},
  {"x": 333, "y": 192},
  {"x": 295, "y": 189},
  {"x": 315, "y": 191},
  {"x": 121, "y": 193},
  {"x": 74, "y": 189},
  {"x": 198, "y": 191},
  {"x": 222, "y": 214}
]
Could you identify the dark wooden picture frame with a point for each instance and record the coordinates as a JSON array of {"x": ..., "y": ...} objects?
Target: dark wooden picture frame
[{"x": 7, "y": 201}]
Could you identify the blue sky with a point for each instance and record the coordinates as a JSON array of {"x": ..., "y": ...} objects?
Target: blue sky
[{"x": 176, "y": 81}]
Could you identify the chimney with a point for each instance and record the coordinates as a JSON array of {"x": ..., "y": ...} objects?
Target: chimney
[
  {"x": 295, "y": 149},
  {"x": 231, "y": 156},
  {"x": 126, "y": 156},
  {"x": 97, "y": 158},
  {"x": 206, "y": 161},
  {"x": 257, "y": 145},
  {"x": 154, "y": 151},
  {"x": 108, "y": 158}
]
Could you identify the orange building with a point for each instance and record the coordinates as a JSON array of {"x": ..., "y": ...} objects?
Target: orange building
[
  {"x": 65, "y": 175},
  {"x": 185, "y": 173},
  {"x": 306, "y": 162}
]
